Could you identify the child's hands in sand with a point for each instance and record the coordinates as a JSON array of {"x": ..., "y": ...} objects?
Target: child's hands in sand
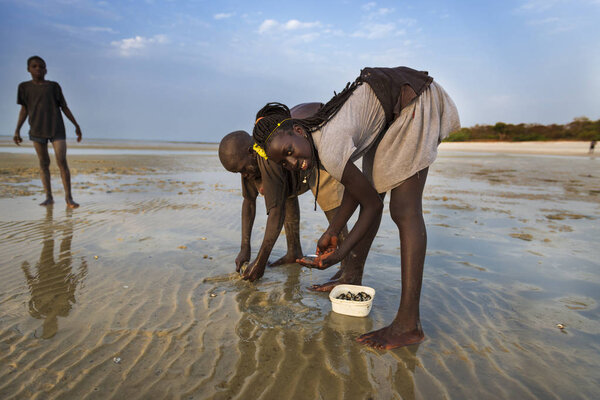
[
  {"x": 253, "y": 272},
  {"x": 242, "y": 257}
]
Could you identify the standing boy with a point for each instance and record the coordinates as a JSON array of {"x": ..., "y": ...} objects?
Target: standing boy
[{"x": 42, "y": 101}]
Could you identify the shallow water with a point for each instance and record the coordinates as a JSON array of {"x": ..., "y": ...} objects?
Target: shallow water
[{"x": 113, "y": 300}]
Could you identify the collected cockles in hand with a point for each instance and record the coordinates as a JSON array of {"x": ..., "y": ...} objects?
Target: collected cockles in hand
[{"x": 361, "y": 296}]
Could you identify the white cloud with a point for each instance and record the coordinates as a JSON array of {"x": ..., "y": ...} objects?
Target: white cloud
[
  {"x": 78, "y": 30},
  {"x": 270, "y": 25},
  {"x": 294, "y": 24},
  {"x": 135, "y": 45},
  {"x": 100, "y": 29},
  {"x": 384, "y": 11},
  {"x": 377, "y": 31},
  {"x": 368, "y": 6},
  {"x": 554, "y": 25},
  {"x": 307, "y": 37},
  {"x": 267, "y": 25},
  {"x": 223, "y": 15},
  {"x": 537, "y": 5}
]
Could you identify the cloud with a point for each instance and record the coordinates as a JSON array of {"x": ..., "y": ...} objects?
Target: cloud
[
  {"x": 384, "y": 11},
  {"x": 537, "y": 5},
  {"x": 377, "y": 31},
  {"x": 368, "y": 6},
  {"x": 307, "y": 37},
  {"x": 270, "y": 25},
  {"x": 378, "y": 23},
  {"x": 100, "y": 29},
  {"x": 554, "y": 25},
  {"x": 222, "y": 16},
  {"x": 294, "y": 24},
  {"x": 78, "y": 30},
  {"x": 130, "y": 46},
  {"x": 267, "y": 25}
]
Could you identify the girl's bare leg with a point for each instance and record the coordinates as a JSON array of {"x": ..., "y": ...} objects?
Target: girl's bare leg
[{"x": 406, "y": 211}]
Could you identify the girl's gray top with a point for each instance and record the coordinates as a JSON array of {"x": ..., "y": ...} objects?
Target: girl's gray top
[{"x": 406, "y": 147}]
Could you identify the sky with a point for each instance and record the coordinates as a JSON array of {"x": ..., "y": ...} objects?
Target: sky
[{"x": 197, "y": 70}]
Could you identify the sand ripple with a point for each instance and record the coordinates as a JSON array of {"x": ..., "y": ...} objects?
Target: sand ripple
[{"x": 134, "y": 295}]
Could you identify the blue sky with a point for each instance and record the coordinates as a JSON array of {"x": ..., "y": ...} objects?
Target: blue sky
[{"x": 196, "y": 70}]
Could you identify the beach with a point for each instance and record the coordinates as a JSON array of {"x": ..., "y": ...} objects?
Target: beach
[{"x": 134, "y": 294}]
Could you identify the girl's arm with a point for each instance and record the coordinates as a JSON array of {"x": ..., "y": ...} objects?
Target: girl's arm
[
  {"x": 357, "y": 190},
  {"x": 274, "y": 224}
]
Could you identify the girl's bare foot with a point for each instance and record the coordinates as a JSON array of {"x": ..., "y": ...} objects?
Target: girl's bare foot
[
  {"x": 325, "y": 287},
  {"x": 72, "y": 204},
  {"x": 47, "y": 202},
  {"x": 392, "y": 337},
  {"x": 338, "y": 279}
]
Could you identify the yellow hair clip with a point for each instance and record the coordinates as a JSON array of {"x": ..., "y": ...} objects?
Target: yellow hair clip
[{"x": 260, "y": 151}]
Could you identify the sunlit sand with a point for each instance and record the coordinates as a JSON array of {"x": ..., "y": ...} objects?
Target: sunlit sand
[{"x": 134, "y": 294}]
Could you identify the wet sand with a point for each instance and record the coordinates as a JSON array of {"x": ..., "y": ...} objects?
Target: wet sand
[{"x": 134, "y": 295}]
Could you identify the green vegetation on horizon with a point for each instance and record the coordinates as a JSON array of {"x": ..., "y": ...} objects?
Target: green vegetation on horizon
[{"x": 580, "y": 129}]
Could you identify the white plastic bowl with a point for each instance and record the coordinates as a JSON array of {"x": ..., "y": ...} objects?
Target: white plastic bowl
[{"x": 350, "y": 307}]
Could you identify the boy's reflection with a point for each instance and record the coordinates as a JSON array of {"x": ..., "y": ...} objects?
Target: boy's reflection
[{"x": 53, "y": 286}]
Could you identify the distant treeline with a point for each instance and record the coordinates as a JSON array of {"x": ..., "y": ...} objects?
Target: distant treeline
[{"x": 580, "y": 129}]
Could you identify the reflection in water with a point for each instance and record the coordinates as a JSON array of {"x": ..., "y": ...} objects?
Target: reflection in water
[
  {"x": 53, "y": 286},
  {"x": 289, "y": 345}
]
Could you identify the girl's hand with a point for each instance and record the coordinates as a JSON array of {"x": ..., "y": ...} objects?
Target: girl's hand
[
  {"x": 327, "y": 243},
  {"x": 328, "y": 259}
]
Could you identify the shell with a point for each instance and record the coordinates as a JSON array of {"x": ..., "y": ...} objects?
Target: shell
[{"x": 361, "y": 296}]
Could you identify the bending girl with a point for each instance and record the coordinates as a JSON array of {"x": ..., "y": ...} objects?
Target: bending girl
[{"x": 394, "y": 118}]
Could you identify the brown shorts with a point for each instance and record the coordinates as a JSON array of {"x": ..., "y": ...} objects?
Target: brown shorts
[{"x": 44, "y": 140}]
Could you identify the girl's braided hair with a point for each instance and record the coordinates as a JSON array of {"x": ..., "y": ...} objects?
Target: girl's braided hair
[
  {"x": 277, "y": 116},
  {"x": 273, "y": 114}
]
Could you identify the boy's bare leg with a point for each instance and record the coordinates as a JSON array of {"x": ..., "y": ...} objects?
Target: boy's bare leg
[
  {"x": 291, "y": 224},
  {"x": 406, "y": 211},
  {"x": 42, "y": 152},
  {"x": 60, "y": 150},
  {"x": 353, "y": 265}
]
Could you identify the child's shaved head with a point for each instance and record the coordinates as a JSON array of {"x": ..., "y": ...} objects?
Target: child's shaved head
[{"x": 234, "y": 148}]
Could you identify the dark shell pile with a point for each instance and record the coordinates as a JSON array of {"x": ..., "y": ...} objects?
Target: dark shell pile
[{"x": 361, "y": 296}]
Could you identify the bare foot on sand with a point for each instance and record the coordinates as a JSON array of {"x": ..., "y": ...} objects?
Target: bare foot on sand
[
  {"x": 287, "y": 259},
  {"x": 337, "y": 279},
  {"x": 392, "y": 337},
  {"x": 47, "y": 202},
  {"x": 325, "y": 287},
  {"x": 72, "y": 204}
]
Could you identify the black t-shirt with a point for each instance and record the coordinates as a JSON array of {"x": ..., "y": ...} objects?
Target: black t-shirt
[
  {"x": 275, "y": 182},
  {"x": 43, "y": 103}
]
